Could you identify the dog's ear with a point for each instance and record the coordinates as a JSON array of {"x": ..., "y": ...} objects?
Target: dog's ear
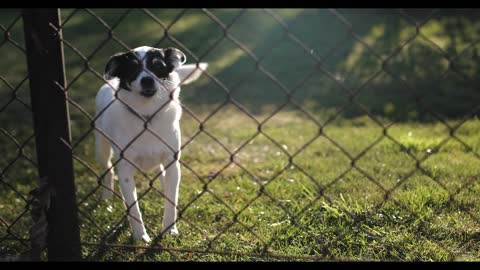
[
  {"x": 120, "y": 65},
  {"x": 190, "y": 73},
  {"x": 113, "y": 67},
  {"x": 174, "y": 58}
]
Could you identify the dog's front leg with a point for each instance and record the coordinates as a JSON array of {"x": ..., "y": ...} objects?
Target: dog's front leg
[
  {"x": 129, "y": 192},
  {"x": 172, "y": 183},
  {"x": 103, "y": 152}
]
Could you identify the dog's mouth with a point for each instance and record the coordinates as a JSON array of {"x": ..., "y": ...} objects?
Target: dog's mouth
[{"x": 148, "y": 92}]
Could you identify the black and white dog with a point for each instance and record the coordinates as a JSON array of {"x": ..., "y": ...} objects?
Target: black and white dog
[{"x": 138, "y": 114}]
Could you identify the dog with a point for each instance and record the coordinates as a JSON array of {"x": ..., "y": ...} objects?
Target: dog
[{"x": 138, "y": 123}]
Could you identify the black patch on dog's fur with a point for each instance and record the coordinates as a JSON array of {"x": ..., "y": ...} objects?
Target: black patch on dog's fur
[
  {"x": 160, "y": 67},
  {"x": 165, "y": 61},
  {"x": 125, "y": 66}
]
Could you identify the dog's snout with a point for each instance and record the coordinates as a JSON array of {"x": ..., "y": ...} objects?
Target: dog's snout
[{"x": 147, "y": 82}]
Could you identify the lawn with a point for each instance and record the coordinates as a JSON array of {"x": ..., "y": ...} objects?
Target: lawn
[{"x": 373, "y": 154}]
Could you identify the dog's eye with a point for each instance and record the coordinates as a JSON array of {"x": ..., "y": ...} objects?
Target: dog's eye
[{"x": 158, "y": 63}]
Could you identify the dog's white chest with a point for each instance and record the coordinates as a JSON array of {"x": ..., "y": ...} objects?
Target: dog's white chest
[
  {"x": 148, "y": 147},
  {"x": 148, "y": 159},
  {"x": 153, "y": 147},
  {"x": 149, "y": 150}
]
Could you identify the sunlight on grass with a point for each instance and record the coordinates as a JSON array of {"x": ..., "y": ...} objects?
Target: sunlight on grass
[
  {"x": 355, "y": 56},
  {"x": 228, "y": 59},
  {"x": 419, "y": 144}
]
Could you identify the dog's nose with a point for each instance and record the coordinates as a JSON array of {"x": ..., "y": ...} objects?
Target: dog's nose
[{"x": 147, "y": 82}]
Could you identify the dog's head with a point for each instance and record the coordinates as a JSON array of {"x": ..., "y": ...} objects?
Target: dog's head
[{"x": 150, "y": 72}]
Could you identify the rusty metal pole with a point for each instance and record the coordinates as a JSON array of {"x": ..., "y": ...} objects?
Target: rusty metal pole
[{"x": 46, "y": 71}]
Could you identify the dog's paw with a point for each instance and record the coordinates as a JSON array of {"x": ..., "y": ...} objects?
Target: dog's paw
[
  {"x": 143, "y": 238},
  {"x": 171, "y": 231},
  {"x": 146, "y": 238}
]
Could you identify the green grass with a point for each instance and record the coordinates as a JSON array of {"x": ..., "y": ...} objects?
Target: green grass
[{"x": 314, "y": 205}]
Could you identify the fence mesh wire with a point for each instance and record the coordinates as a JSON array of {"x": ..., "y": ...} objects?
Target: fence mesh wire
[
  {"x": 18, "y": 168},
  {"x": 222, "y": 196}
]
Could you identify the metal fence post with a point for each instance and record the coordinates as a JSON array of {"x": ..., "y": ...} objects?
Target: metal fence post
[{"x": 52, "y": 129}]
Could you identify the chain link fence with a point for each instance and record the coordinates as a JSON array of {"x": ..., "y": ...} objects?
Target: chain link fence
[
  {"x": 310, "y": 136},
  {"x": 18, "y": 163}
]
